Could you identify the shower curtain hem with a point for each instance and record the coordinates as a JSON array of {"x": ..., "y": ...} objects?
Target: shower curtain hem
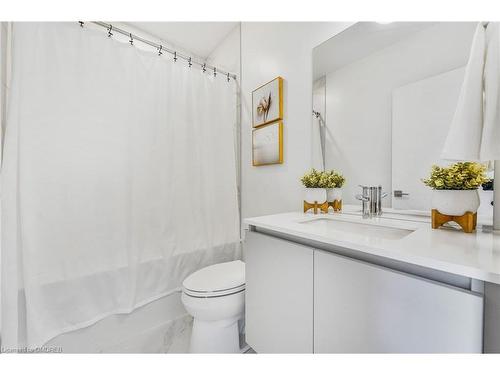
[{"x": 93, "y": 321}]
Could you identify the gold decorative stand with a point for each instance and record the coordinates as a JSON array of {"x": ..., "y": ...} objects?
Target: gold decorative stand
[
  {"x": 336, "y": 205},
  {"x": 322, "y": 206},
  {"x": 467, "y": 221}
]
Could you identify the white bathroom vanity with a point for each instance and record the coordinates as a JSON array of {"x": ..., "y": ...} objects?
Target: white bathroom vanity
[{"x": 338, "y": 283}]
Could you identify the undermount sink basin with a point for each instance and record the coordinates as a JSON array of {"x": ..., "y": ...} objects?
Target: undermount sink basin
[{"x": 335, "y": 227}]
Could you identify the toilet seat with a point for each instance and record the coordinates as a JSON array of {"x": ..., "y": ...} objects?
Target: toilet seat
[
  {"x": 218, "y": 280},
  {"x": 215, "y": 293}
]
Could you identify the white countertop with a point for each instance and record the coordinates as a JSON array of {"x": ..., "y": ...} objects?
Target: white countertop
[{"x": 475, "y": 255}]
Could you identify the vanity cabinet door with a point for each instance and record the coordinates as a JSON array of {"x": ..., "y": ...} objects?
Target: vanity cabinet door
[
  {"x": 279, "y": 295},
  {"x": 364, "y": 308}
]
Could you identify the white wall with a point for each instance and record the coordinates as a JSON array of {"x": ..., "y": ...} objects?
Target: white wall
[
  {"x": 358, "y": 114},
  {"x": 269, "y": 50},
  {"x": 226, "y": 55}
]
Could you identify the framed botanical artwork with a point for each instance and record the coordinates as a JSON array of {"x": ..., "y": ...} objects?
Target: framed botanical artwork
[
  {"x": 267, "y": 103},
  {"x": 267, "y": 144}
]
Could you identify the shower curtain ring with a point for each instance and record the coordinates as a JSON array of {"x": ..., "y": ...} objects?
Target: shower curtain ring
[
  {"x": 175, "y": 56},
  {"x": 215, "y": 72},
  {"x": 110, "y": 34},
  {"x": 189, "y": 62},
  {"x": 131, "y": 41},
  {"x": 228, "y": 79},
  {"x": 204, "y": 67},
  {"x": 81, "y": 23},
  {"x": 159, "y": 50}
]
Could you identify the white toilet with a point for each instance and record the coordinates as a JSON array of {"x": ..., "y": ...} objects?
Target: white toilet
[{"x": 215, "y": 297}]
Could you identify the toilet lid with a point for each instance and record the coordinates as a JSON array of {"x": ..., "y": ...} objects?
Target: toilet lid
[{"x": 218, "y": 279}]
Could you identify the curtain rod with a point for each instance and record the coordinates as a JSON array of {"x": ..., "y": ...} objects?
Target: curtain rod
[{"x": 161, "y": 49}]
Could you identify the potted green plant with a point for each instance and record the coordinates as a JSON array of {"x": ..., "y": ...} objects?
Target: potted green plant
[
  {"x": 314, "y": 182},
  {"x": 455, "y": 187},
  {"x": 333, "y": 184}
]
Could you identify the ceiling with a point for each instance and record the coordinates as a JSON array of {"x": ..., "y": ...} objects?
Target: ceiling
[
  {"x": 199, "y": 38},
  {"x": 359, "y": 41}
]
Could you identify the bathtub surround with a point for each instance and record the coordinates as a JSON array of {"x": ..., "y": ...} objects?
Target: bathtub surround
[
  {"x": 100, "y": 216},
  {"x": 162, "y": 326}
]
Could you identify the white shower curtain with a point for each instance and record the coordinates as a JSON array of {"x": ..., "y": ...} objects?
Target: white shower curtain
[{"x": 118, "y": 180}]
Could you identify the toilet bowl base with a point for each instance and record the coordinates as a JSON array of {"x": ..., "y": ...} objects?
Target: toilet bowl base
[{"x": 220, "y": 336}]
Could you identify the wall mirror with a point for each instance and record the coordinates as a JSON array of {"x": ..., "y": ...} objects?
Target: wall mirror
[{"x": 384, "y": 95}]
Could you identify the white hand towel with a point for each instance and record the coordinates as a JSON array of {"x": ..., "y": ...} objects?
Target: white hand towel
[
  {"x": 464, "y": 137},
  {"x": 490, "y": 143}
]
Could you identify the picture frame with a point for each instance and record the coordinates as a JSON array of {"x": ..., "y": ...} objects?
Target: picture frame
[
  {"x": 267, "y": 103},
  {"x": 267, "y": 144}
]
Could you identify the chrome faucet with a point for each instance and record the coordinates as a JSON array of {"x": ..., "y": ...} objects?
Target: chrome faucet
[{"x": 371, "y": 200}]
